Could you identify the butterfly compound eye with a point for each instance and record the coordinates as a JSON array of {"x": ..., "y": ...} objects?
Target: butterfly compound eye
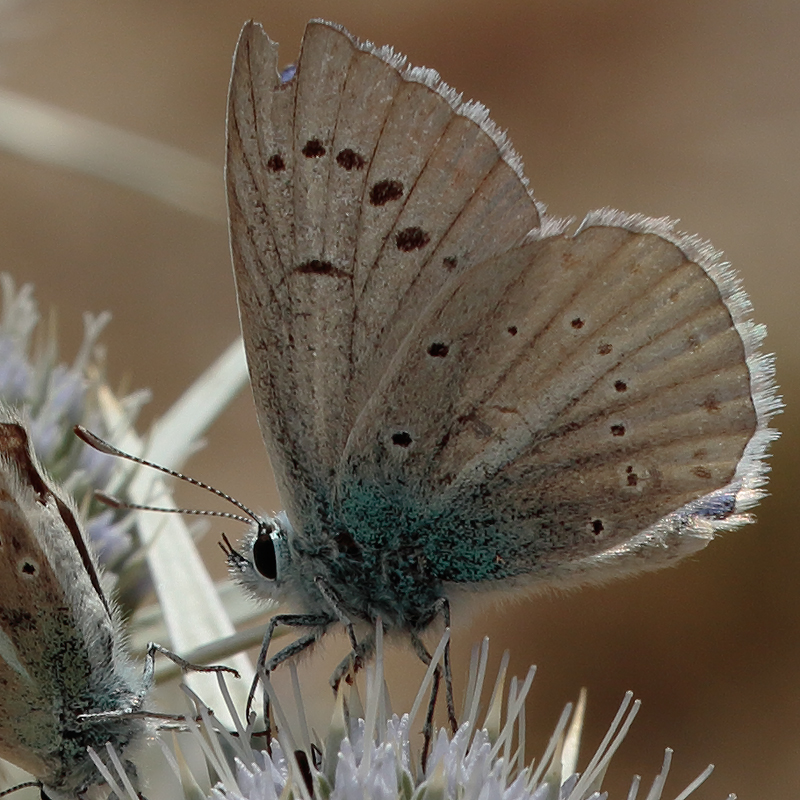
[{"x": 265, "y": 559}]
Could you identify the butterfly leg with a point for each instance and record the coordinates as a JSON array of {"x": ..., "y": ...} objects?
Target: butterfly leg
[
  {"x": 333, "y": 600},
  {"x": 353, "y": 661},
  {"x": 148, "y": 678},
  {"x": 427, "y": 729},
  {"x": 186, "y": 666},
  {"x": 315, "y": 621},
  {"x": 441, "y": 606}
]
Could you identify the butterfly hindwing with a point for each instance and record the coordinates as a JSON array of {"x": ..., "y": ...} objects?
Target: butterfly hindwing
[{"x": 559, "y": 399}]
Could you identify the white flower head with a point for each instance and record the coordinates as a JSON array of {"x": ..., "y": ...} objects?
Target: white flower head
[{"x": 371, "y": 757}]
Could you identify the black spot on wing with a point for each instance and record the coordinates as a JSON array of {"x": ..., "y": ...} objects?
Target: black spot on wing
[
  {"x": 275, "y": 163},
  {"x": 318, "y": 267},
  {"x": 348, "y": 159},
  {"x": 313, "y": 149},
  {"x": 384, "y": 192},
  {"x": 411, "y": 239}
]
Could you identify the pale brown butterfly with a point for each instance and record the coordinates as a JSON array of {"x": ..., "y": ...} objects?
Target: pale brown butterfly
[{"x": 455, "y": 392}]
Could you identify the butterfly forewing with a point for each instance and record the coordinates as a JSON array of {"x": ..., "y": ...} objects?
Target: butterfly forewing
[{"x": 336, "y": 246}]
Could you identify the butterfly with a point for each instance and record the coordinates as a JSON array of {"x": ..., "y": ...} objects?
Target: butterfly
[
  {"x": 457, "y": 392},
  {"x": 67, "y": 681}
]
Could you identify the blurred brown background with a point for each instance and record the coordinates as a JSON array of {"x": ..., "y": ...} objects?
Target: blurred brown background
[{"x": 681, "y": 108}]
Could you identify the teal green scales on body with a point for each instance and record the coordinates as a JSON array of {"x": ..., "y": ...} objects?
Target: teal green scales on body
[{"x": 454, "y": 389}]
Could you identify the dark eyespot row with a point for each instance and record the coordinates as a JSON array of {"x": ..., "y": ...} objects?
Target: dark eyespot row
[
  {"x": 382, "y": 192},
  {"x": 438, "y": 350},
  {"x": 401, "y": 439}
]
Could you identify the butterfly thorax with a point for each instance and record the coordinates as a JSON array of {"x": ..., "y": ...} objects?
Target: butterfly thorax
[{"x": 389, "y": 582}]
